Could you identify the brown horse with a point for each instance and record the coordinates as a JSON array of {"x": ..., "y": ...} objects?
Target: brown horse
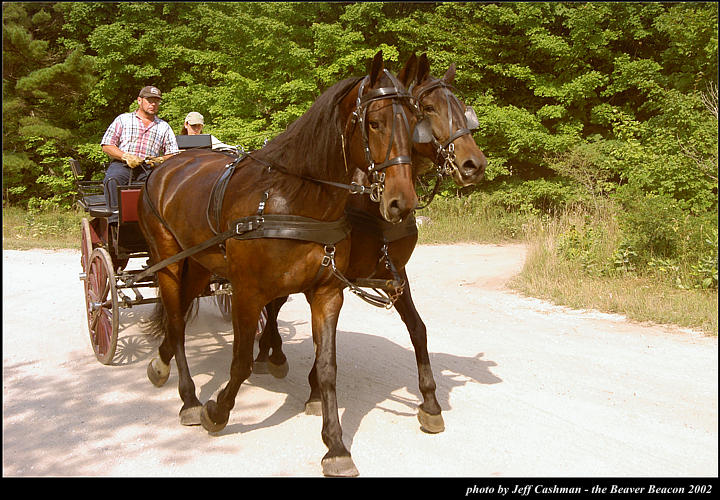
[
  {"x": 379, "y": 251},
  {"x": 284, "y": 209}
]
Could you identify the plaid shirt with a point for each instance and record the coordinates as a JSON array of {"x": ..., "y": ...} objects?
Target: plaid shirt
[{"x": 129, "y": 134}]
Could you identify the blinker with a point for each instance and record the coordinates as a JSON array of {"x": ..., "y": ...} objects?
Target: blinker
[
  {"x": 471, "y": 118},
  {"x": 423, "y": 132}
]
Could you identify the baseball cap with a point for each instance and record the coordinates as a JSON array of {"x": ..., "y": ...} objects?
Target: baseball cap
[
  {"x": 150, "y": 91},
  {"x": 194, "y": 118}
]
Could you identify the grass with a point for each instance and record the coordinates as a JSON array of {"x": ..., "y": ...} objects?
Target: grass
[
  {"x": 547, "y": 274},
  {"x": 23, "y": 230},
  {"x": 580, "y": 281},
  {"x": 639, "y": 298},
  {"x": 469, "y": 219}
]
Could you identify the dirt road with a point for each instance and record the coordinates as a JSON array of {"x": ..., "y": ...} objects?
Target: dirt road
[{"x": 528, "y": 389}]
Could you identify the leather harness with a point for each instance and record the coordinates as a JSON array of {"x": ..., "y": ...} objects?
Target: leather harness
[
  {"x": 296, "y": 227},
  {"x": 325, "y": 233}
]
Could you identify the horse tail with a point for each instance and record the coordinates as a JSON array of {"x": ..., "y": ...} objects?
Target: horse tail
[{"x": 157, "y": 325}]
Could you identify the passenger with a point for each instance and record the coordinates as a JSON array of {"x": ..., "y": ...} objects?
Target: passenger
[
  {"x": 193, "y": 125},
  {"x": 132, "y": 138}
]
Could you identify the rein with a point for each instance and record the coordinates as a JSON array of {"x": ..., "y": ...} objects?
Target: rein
[{"x": 292, "y": 226}]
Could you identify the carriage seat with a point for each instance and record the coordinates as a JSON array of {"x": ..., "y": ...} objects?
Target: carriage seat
[
  {"x": 91, "y": 193},
  {"x": 101, "y": 210}
]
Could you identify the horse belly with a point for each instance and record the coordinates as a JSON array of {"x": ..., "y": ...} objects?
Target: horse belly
[{"x": 275, "y": 268}]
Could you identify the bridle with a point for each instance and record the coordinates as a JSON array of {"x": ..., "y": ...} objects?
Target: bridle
[
  {"x": 397, "y": 94},
  {"x": 444, "y": 150},
  {"x": 358, "y": 118}
]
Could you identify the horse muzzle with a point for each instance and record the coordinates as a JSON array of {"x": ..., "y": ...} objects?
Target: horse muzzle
[
  {"x": 469, "y": 170},
  {"x": 397, "y": 204}
]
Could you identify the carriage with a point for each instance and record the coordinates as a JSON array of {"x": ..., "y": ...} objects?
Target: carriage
[
  {"x": 112, "y": 257},
  {"x": 306, "y": 192}
]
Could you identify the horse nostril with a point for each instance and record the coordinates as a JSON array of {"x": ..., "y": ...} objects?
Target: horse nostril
[
  {"x": 396, "y": 209},
  {"x": 394, "y": 206},
  {"x": 474, "y": 166}
]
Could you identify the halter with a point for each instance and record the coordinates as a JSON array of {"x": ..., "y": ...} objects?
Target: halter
[
  {"x": 446, "y": 150},
  {"x": 359, "y": 116}
]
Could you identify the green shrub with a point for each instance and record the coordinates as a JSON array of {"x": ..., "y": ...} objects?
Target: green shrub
[
  {"x": 651, "y": 226},
  {"x": 535, "y": 196}
]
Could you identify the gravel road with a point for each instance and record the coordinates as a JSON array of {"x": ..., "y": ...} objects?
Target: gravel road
[{"x": 528, "y": 389}]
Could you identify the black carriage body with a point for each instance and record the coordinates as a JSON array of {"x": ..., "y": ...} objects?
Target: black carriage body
[{"x": 106, "y": 250}]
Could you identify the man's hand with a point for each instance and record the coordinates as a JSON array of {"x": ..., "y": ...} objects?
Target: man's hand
[
  {"x": 132, "y": 160},
  {"x": 155, "y": 161}
]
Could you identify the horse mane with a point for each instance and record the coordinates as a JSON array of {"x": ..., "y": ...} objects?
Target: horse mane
[{"x": 311, "y": 145}]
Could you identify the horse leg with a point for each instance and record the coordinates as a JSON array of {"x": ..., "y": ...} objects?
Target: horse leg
[
  {"x": 178, "y": 290},
  {"x": 313, "y": 405},
  {"x": 215, "y": 415},
  {"x": 429, "y": 412},
  {"x": 275, "y": 363},
  {"x": 325, "y": 307},
  {"x": 158, "y": 370}
]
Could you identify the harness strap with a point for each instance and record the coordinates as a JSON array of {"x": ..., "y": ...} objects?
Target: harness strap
[
  {"x": 292, "y": 227},
  {"x": 263, "y": 226},
  {"x": 386, "y": 291},
  {"x": 381, "y": 228},
  {"x": 382, "y": 288},
  {"x": 217, "y": 195},
  {"x": 179, "y": 256}
]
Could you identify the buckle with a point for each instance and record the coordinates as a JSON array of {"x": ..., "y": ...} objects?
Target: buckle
[
  {"x": 250, "y": 225},
  {"x": 329, "y": 256}
]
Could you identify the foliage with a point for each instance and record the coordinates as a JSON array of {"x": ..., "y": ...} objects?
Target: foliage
[
  {"x": 579, "y": 103},
  {"x": 544, "y": 77},
  {"x": 535, "y": 196}
]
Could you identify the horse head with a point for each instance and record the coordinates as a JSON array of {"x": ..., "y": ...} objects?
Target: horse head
[
  {"x": 381, "y": 139},
  {"x": 451, "y": 146}
]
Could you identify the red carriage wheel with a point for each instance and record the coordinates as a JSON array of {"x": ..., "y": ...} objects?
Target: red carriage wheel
[
  {"x": 85, "y": 244},
  {"x": 102, "y": 305},
  {"x": 262, "y": 321}
]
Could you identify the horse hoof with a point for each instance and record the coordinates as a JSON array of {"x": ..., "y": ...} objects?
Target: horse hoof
[
  {"x": 158, "y": 372},
  {"x": 339, "y": 467},
  {"x": 206, "y": 420},
  {"x": 260, "y": 368},
  {"x": 191, "y": 416},
  {"x": 313, "y": 408},
  {"x": 279, "y": 371},
  {"x": 431, "y": 424}
]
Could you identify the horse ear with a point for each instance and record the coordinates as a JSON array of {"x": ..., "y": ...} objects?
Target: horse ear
[
  {"x": 423, "y": 69},
  {"x": 409, "y": 71},
  {"x": 449, "y": 74},
  {"x": 376, "y": 68}
]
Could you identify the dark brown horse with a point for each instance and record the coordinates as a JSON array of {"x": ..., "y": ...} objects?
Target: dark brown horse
[
  {"x": 284, "y": 207},
  {"x": 379, "y": 251}
]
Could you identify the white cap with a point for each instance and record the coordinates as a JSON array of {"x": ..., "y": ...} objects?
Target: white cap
[{"x": 194, "y": 118}]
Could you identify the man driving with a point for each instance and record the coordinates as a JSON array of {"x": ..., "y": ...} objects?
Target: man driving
[{"x": 133, "y": 138}]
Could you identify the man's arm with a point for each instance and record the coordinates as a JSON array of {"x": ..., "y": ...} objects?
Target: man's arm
[
  {"x": 116, "y": 154},
  {"x": 113, "y": 151}
]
